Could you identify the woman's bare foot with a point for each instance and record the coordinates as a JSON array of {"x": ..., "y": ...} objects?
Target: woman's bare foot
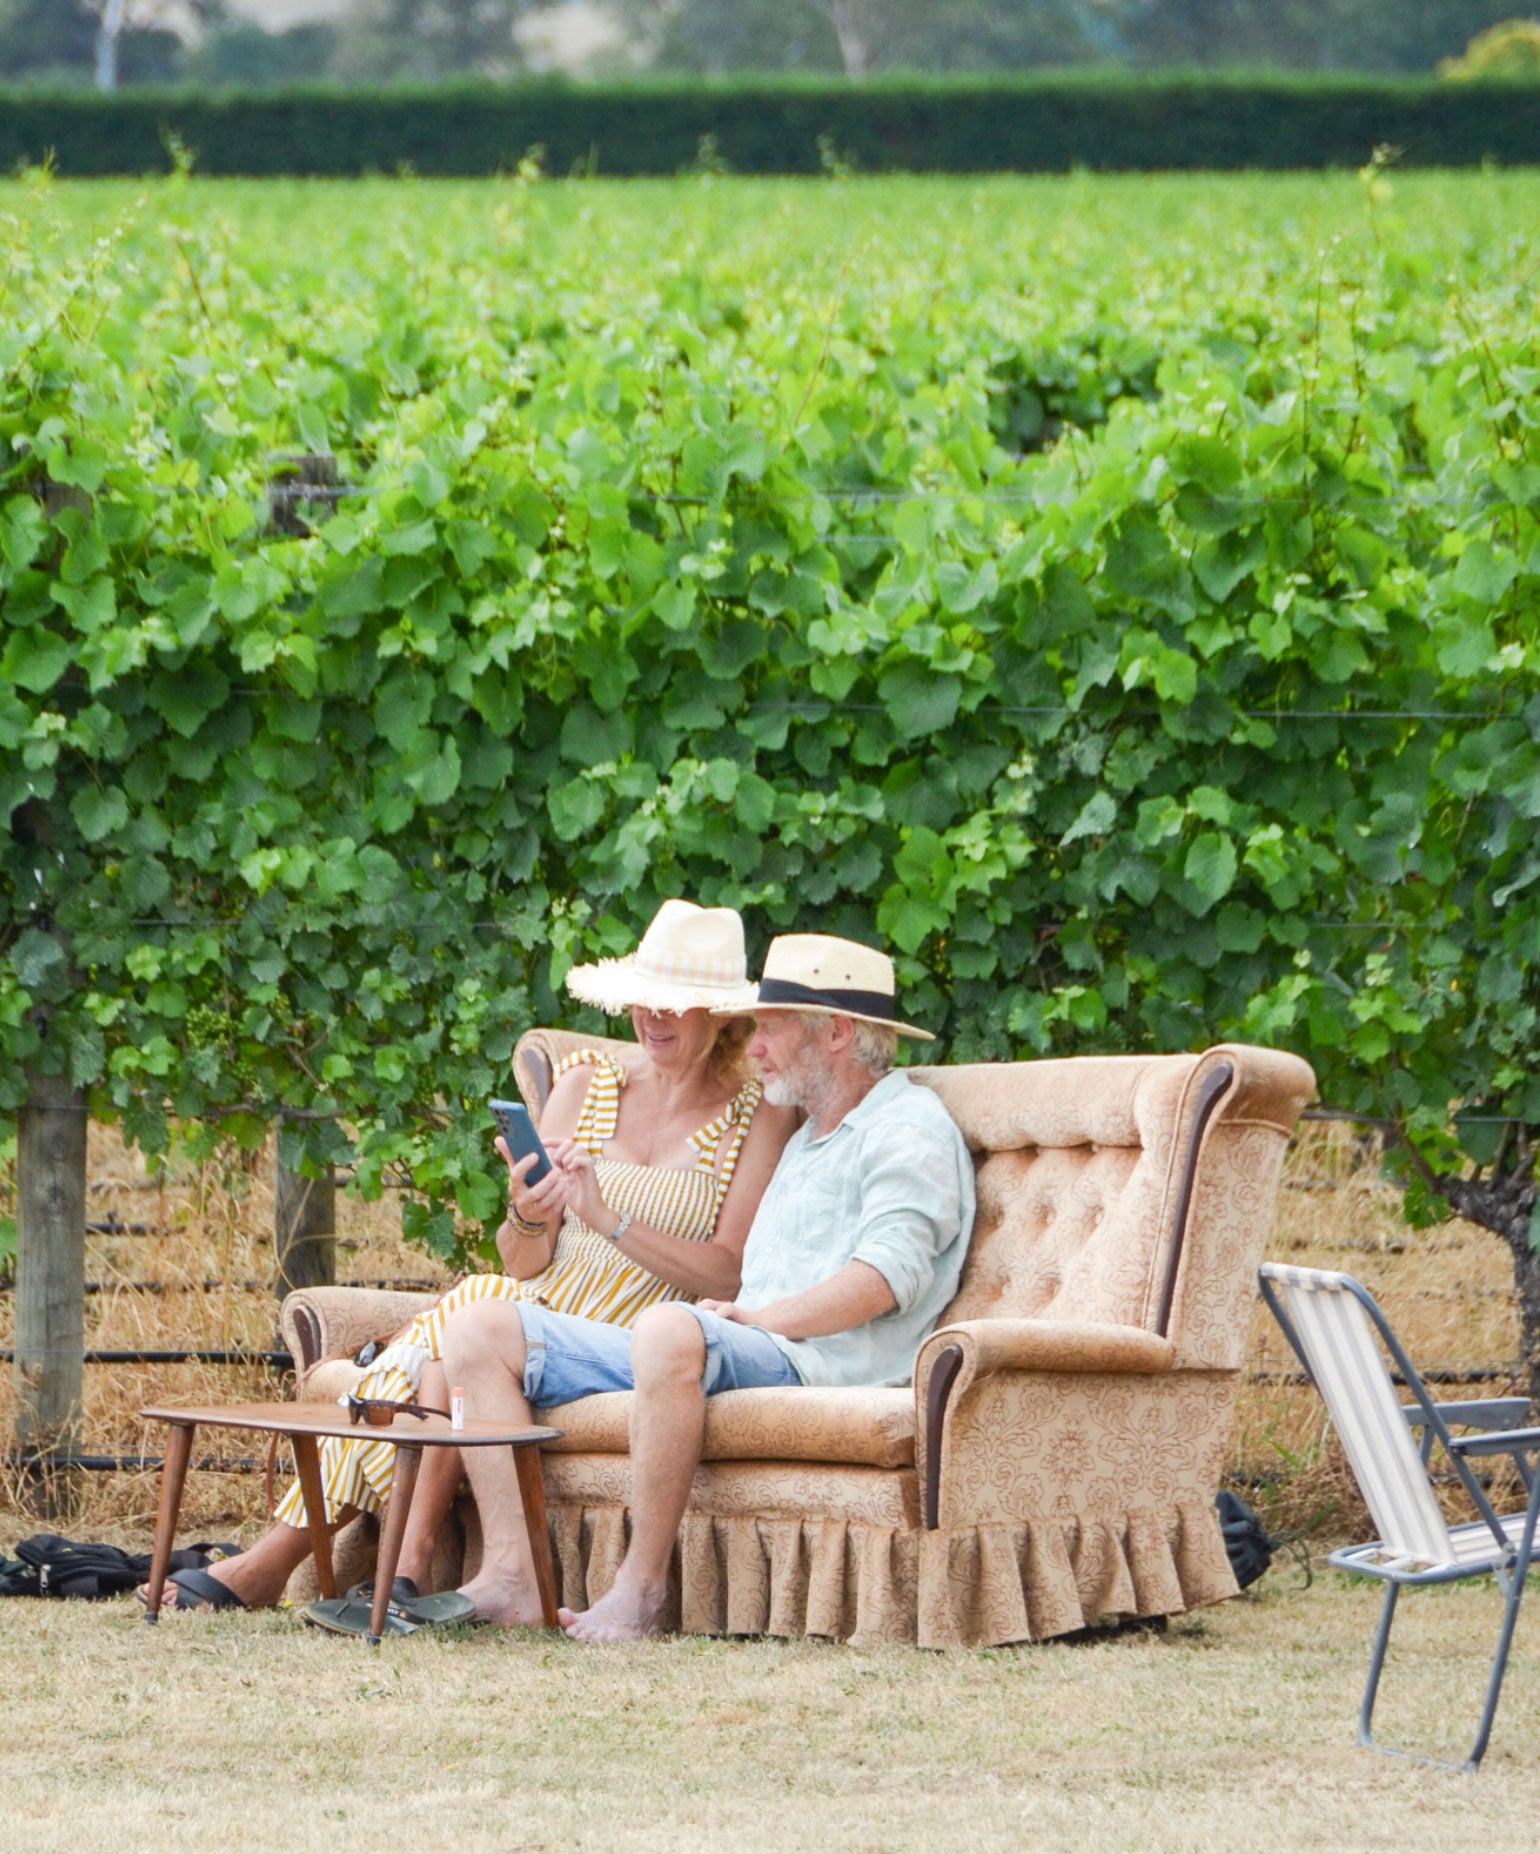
[
  {"x": 625, "y": 1613},
  {"x": 502, "y": 1598}
]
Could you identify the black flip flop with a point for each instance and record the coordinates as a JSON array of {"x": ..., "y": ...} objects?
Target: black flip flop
[
  {"x": 402, "y": 1590},
  {"x": 347, "y": 1616}
]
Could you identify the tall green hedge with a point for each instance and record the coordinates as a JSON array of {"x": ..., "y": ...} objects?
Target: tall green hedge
[
  {"x": 1044, "y": 124},
  {"x": 713, "y": 540}
]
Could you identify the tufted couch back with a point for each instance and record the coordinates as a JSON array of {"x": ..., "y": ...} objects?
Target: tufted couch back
[
  {"x": 1084, "y": 1166},
  {"x": 1109, "y": 1185}
]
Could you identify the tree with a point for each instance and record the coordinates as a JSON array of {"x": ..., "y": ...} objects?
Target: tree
[
  {"x": 110, "y": 40},
  {"x": 1510, "y": 51},
  {"x": 39, "y": 36},
  {"x": 431, "y": 38},
  {"x": 864, "y": 37},
  {"x": 241, "y": 53},
  {"x": 1383, "y": 35}
]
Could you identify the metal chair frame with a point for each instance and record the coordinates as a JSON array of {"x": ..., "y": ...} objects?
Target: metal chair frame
[{"x": 1499, "y": 1420}]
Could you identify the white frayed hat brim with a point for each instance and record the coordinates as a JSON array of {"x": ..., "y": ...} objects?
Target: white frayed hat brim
[
  {"x": 690, "y": 958},
  {"x": 617, "y": 985}
]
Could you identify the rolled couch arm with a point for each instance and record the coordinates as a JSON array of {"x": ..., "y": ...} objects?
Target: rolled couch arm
[
  {"x": 956, "y": 1357},
  {"x": 333, "y": 1322},
  {"x": 1047, "y": 1345}
]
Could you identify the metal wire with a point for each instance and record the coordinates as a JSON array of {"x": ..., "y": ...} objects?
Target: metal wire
[
  {"x": 173, "y": 1355},
  {"x": 130, "y": 1464}
]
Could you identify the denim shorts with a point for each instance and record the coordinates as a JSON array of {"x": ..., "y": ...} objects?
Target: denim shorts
[{"x": 566, "y": 1357}]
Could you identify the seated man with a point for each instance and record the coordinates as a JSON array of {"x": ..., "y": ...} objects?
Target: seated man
[{"x": 854, "y": 1251}]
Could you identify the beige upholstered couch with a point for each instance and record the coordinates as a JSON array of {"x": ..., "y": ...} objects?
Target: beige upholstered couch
[{"x": 1056, "y": 1460}]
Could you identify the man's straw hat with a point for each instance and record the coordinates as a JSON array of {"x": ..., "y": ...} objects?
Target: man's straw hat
[
  {"x": 816, "y": 972},
  {"x": 689, "y": 957}
]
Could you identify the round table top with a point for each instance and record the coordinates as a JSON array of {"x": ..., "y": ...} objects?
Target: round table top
[{"x": 330, "y": 1420}]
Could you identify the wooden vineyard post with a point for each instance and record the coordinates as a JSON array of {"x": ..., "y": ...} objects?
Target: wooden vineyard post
[
  {"x": 303, "y": 485},
  {"x": 304, "y": 1209},
  {"x": 50, "y": 1275},
  {"x": 304, "y": 1229}
]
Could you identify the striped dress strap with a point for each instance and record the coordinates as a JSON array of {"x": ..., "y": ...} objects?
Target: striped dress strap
[
  {"x": 733, "y": 1123},
  {"x": 601, "y": 1104}
]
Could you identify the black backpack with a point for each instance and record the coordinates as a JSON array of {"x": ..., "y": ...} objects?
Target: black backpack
[
  {"x": 49, "y": 1566},
  {"x": 1250, "y": 1549}
]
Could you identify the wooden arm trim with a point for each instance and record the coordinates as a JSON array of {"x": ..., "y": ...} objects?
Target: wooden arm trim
[
  {"x": 943, "y": 1375},
  {"x": 1211, "y": 1091}
]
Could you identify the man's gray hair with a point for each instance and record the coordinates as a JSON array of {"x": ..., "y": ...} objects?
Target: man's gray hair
[{"x": 875, "y": 1047}]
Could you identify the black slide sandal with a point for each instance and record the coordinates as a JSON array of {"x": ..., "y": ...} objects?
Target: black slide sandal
[{"x": 207, "y": 1592}]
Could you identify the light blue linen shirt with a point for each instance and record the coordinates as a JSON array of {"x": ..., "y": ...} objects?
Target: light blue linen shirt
[{"x": 891, "y": 1186}]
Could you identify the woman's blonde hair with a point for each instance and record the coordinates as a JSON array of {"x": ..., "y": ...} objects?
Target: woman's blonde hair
[{"x": 728, "y": 1060}]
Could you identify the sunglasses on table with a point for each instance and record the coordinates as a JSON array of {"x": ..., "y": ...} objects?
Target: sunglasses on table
[{"x": 381, "y": 1412}]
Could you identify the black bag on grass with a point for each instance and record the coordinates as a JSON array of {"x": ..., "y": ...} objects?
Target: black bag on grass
[
  {"x": 1250, "y": 1549},
  {"x": 47, "y": 1565}
]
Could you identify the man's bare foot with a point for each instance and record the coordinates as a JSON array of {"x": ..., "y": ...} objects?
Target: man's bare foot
[
  {"x": 624, "y": 1613},
  {"x": 504, "y": 1599}
]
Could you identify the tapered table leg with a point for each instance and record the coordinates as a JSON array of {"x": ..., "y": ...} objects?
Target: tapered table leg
[
  {"x": 402, "y": 1481},
  {"x": 526, "y": 1459},
  {"x": 173, "y": 1477},
  {"x": 307, "y": 1461}
]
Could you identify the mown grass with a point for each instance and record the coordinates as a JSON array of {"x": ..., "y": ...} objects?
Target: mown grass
[{"x": 1233, "y": 1730}]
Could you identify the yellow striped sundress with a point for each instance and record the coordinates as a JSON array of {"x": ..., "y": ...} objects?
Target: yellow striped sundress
[{"x": 587, "y": 1275}]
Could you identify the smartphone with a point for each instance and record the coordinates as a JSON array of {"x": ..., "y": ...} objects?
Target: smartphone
[{"x": 516, "y": 1127}]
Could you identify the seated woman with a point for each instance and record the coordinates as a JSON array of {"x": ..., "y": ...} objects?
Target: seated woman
[{"x": 657, "y": 1168}]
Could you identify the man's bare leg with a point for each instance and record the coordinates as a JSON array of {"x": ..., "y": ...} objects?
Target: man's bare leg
[
  {"x": 438, "y": 1481},
  {"x": 483, "y": 1352},
  {"x": 668, "y": 1428}
]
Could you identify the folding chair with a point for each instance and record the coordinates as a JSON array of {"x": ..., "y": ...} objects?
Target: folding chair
[{"x": 1331, "y": 1321}]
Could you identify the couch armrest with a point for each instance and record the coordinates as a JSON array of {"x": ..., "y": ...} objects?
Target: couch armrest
[
  {"x": 333, "y": 1322},
  {"x": 1047, "y": 1345},
  {"x": 967, "y": 1355}
]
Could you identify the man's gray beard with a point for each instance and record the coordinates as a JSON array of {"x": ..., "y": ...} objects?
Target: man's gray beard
[{"x": 803, "y": 1086}]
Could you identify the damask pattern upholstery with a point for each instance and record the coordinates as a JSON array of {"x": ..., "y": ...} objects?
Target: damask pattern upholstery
[{"x": 1079, "y": 1446}]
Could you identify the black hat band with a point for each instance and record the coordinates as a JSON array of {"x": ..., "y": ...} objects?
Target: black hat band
[{"x": 857, "y": 1003}]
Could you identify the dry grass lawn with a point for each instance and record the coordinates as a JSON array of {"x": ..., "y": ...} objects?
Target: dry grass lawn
[{"x": 1234, "y": 1731}]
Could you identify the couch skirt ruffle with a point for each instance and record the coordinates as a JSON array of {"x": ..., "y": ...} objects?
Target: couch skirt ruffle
[
  {"x": 976, "y": 1586},
  {"x": 971, "y": 1587}
]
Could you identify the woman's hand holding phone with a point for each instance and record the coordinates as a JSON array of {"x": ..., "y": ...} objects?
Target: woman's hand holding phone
[{"x": 532, "y": 1203}]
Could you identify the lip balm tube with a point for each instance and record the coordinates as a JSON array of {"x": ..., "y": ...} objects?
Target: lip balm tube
[{"x": 457, "y": 1408}]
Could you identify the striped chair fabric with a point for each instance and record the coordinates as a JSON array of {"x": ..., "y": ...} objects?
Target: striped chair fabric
[
  {"x": 1345, "y": 1360},
  {"x": 1343, "y": 1341}
]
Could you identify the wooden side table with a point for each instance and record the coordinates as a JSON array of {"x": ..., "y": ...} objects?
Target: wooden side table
[{"x": 306, "y": 1424}]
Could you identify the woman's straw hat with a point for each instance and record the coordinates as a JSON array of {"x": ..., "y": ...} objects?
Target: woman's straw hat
[
  {"x": 816, "y": 972},
  {"x": 689, "y": 958}
]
